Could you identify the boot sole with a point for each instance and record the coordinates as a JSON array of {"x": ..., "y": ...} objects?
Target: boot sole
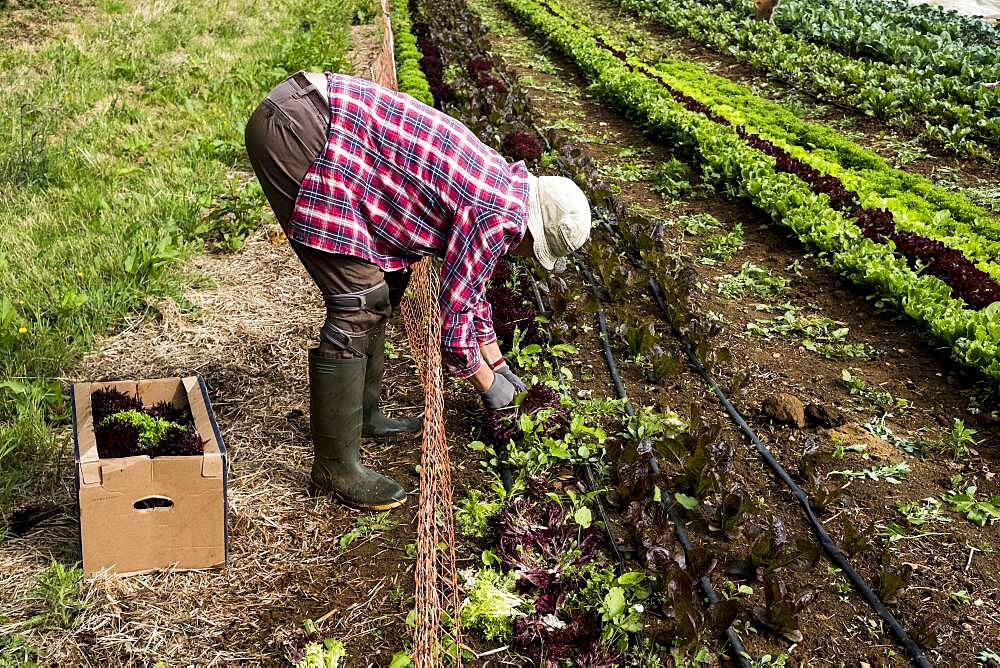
[
  {"x": 363, "y": 506},
  {"x": 316, "y": 490}
]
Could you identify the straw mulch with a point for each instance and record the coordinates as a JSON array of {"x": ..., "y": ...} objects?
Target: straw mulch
[{"x": 248, "y": 335}]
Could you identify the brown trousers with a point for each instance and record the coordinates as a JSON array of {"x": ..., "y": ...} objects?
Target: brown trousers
[{"x": 284, "y": 137}]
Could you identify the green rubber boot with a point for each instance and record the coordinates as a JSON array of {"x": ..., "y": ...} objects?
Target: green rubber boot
[
  {"x": 336, "y": 388},
  {"x": 375, "y": 423}
]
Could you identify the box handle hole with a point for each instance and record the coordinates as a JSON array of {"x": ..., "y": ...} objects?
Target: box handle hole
[{"x": 151, "y": 502}]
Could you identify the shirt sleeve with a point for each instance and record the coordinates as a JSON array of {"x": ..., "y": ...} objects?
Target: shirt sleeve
[
  {"x": 475, "y": 245},
  {"x": 484, "y": 323}
]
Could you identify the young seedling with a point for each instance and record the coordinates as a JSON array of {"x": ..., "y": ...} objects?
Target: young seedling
[
  {"x": 923, "y": 511},
  {"x": 366, "y": 525},
  {"x": 751, "y": 278},
  {"x": 958, "y": 441},
  {"x": 824, "y": 336},
  {"x": 698, "y": 223},
  {"x": 869, "y": 397},
  {"x": 978, "y": 512},
  {"x": 722, "y": 247}
]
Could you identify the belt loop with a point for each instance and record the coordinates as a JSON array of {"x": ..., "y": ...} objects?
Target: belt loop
[
  {"x": 303, "y": 81},
  {"x": 313, "y": 94}
]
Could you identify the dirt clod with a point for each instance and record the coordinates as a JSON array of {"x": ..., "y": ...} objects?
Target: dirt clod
[
  {"x": 820, "y": 415},
  {"x": 785, "y": 408}
]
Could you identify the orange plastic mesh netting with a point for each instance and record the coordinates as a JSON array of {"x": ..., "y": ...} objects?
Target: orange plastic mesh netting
[
  {"x": 436, "y": 582},
  {"x": 438, "y": 626}
]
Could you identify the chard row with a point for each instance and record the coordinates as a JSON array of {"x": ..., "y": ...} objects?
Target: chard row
[{"x": 754, "y": 175}]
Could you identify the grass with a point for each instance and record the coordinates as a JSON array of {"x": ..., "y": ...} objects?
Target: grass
[{"x": 115, "y": 141}]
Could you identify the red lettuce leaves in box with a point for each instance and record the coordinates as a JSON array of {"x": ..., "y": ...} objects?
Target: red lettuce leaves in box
[
  {"x": 166, "y": 410},
  {"x": 178, "y": 441},
  {"x": 108, "y": 401},
  {"x": 116, "y": 439},
  {"x": 134, "y": 432}
]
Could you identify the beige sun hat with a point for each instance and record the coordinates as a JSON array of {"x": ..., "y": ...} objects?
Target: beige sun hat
[{"x": 558, "y": 218}]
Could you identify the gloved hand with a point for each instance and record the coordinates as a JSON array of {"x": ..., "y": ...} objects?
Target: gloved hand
[
  {"x": 500, "y": 394},
  {"x": 505, "y": 371}
]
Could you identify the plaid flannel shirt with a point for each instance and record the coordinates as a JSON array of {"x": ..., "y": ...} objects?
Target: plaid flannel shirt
[{"x": 397, "y": 181}]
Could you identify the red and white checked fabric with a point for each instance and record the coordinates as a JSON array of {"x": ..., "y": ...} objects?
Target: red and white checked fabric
[{"x": 397, "y": 181}]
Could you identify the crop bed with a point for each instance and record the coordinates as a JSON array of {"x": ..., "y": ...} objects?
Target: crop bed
[
  {"x": 958, "y": 111},
  {"x": 620, "y": 512}
]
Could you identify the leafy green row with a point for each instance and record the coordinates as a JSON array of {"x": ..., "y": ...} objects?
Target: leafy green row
[
  {"x": 932, "y": 18},
  {"x": 917, "y": 205},
  {"x": 863, "y": 29},
  {"x": 747, "y": 172},
  {"x": 410, "y": 78},
  {"x": 944, "y": 108},
  {"x": 924, "y": 18}
]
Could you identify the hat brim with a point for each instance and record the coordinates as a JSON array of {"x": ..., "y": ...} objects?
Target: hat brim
[{"x": 539, "y": 246}]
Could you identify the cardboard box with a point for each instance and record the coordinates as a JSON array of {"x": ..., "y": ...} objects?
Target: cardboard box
[{"x": 186, "y": 527}]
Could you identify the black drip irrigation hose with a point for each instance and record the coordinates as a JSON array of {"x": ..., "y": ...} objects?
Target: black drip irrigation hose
[
  {"x": 829, "y": 547},
  {"x": 739, "y": 652},
  {"x": 834, "y": 554},
  {"x": 503, "y": 461}
]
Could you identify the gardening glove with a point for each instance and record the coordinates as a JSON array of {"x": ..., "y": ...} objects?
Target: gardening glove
[
  {"x": 500, "y": 394},
  {"x": 505, "y": 371}
]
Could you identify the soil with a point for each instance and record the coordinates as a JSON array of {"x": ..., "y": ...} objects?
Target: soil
[{"x": 949, "y": 557}]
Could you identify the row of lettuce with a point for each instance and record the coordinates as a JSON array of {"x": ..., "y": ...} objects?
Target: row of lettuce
[
  {"x": 960, "y": 114},
  {"x": 410, "y": 78},
  {"x": 750, "y": 173}
]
